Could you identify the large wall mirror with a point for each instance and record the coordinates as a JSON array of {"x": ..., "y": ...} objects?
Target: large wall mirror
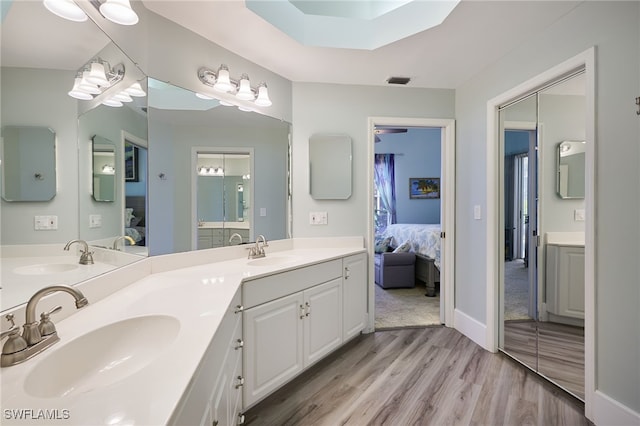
[
  {"x": 37, "y": 74},
  {"x": 28, "y": 163},
  {"x": 181, "y": 125}
]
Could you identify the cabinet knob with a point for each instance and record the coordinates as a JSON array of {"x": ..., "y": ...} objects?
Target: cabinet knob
[
  {"x": 239, "y": 344},
  {"x": 240, "y": 382},
  {"x": 239, "y": 308},
  {"x": 240, "y": 418}
]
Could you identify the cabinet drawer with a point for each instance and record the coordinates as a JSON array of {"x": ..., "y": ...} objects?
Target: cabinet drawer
[{"x": 262, "y": 290}]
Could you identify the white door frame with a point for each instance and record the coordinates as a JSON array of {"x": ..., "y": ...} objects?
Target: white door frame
[
  {"x": 447, "y": 208},
  {"x": 584, "y": 60}
]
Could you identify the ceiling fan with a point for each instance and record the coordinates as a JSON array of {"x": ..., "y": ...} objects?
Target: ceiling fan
[{"x": 381, "y": 131}]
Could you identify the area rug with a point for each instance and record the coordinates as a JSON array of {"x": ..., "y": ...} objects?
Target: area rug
[{"x": 405, "y": 307}]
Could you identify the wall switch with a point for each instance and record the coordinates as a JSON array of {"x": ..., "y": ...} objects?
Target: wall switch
[
  {"x": 477, "y": 212},
  {"x": 318, "y": 218},
  {"x": 263, "y": 211},
  {"x": 578, "y": 215},
  {"x": 45, "y": 223},
  {"x": 95, "y": 220}
]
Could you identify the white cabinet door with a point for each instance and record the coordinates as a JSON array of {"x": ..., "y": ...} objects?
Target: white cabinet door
[
  {"x": 354, "y": 297},
  {"x": 571, "y": 282},
  {"x": 322, "y": 320},
  {"x": 273, "y": 336}
]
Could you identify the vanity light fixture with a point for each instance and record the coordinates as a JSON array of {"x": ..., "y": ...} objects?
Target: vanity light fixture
[
  {"x": 136, "y": 91},
  {"x": 112, "y": 103},
  {"x": 221, "y": 81},
  {"x": 94, "y": 78},
  {"x": 204, "y": 97},
  {"x": 66, "y": 9}
]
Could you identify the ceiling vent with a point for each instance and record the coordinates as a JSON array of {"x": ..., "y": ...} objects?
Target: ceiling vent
[{"x": 398, "y": 80}]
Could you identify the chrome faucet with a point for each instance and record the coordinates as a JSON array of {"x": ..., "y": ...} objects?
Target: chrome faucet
[
  {"x": 122, "y": 237},
  {"x": 36, "y": 336},
  {"x": 234, "y": 235},
  {"x": 86, "y": 256},
  {"x": 257, "y": 250}
]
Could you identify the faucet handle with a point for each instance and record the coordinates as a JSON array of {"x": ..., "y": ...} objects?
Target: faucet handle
[
  {"x": 86, "y": 257},
  {"x": 46, "y": 327},
  {"x": 15, "y": 342}
]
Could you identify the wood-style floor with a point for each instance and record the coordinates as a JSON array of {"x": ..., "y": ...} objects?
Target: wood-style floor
[
  {"x": 554, "y": 350},
  {"x": 418, "y": 376}
]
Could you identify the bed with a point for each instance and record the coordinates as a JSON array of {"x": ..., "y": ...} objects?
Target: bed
[
  {"x": 425, "y": 242},
  {"x": 134, "y": 219}
]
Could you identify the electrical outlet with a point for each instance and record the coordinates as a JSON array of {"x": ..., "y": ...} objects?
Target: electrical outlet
[
  {"x": 318, "y": 218},
  {"x": 95, "y": 220},
  {"x": 45, "y": 223}
]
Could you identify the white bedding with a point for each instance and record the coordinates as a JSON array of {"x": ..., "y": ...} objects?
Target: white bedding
[{"x": 424, "y": 238}]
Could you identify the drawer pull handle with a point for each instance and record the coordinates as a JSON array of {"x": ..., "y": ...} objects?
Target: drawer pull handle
[
  {"x": 240, "y": 344},
  {"x": 347, "y": 272},
  {"x": 302, "y": 313},
  {"x": 307, "y": 309},
  {"x": 239, "y": 308},
  {"x": 240, "y": 382},
  {"x": 240, "y": 418}
]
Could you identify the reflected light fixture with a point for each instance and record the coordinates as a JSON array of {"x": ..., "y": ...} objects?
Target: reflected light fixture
[
  {"x": 204, "y": 97},
  {"x": 241, "y": 89},
  {"x": 112, "y": 103},
  {"x": 136, "y": 90},
  {"x": 75, "y": 92},
  {"x": 94, "y": 78},
  {"x": 66, "y": 9},
  {"x": 108, "y": 169},
  {"x": 119, "y": 11},
  {"x": 97, "y": 74}
]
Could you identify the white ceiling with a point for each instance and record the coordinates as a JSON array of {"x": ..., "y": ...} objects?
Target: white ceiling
[{"x": 476, "y": 34}]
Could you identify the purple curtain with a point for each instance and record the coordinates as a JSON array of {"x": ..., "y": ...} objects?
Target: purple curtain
[{"x": 384, "y": 179}]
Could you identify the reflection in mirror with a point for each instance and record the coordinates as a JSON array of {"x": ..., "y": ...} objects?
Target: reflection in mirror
[
  {"x": 104, "y": 169},
  {"x": 181, "y": 125},
  {"x": 41, "y": 55},
  {"x": 223, "y": 198},
  {"x": 330, "y": 167},
  {"x": 29, "y": 163},
  {"x": 571, "y": 166},
  {"x": 135, "y": 188}
]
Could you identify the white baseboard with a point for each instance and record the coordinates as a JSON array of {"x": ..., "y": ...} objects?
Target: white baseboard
[
  {"x": 471, "y": 328},
  {"x": 607, "y": 411}
]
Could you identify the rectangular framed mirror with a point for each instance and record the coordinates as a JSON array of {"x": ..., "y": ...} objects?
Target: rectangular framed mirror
[
  {"x": 28, "y": 163},
  {"x": 570, "y": 169},
  {"x": 104, "y": 169}
]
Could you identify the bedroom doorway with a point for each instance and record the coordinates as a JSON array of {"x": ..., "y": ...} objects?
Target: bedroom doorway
[
  {"x": 419, "y": 178},
  {"x": 135, "y": 194}
]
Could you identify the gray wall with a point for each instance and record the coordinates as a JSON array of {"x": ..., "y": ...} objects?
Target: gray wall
[
  {"x": 613, "y": 28},
  {"x": 332, "y": 108},
  {"x": 33, "y": 97}
]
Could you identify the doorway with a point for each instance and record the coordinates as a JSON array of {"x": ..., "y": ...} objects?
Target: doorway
[{"x": 446, "y": 236}]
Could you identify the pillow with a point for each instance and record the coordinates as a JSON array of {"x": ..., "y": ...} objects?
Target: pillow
[
  {"x": 403, "y": 248},
  {"x": 128, "y": 215},
  {"x": 382, "y": 245}
]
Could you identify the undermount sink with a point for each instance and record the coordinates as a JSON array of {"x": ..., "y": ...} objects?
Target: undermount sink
[
  {"x": 45, "y": 269},
  {"x": 101, "y": 357},
  {"x": 272, "y": 260}
]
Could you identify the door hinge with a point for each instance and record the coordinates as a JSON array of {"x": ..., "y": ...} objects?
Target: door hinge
[
  {"x": 442, "y": 235},
  {"x": 537, "y": 240}
]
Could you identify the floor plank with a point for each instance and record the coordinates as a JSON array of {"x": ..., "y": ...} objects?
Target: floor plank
[{"x": 417, "y": 376}]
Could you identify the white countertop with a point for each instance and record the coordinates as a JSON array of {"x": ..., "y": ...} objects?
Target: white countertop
[{"x": 198, "y": 296}]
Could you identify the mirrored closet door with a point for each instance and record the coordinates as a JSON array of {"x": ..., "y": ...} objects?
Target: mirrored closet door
[{"x": 542, "y": 249}]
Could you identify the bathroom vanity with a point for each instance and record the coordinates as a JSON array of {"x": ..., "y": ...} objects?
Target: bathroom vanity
[
  {"x": 564, "y": 275},
  {"x": 195, "y": 338}
]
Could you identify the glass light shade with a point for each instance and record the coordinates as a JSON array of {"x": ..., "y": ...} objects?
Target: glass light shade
[
  {"x": 122, "y": 97},
  {"x": 97, "y": 75},
  {"x": 66, "y": 9},
  {"x": 119, "y": 11},
  {"x": 203, "y": 96},
  {"x": 87, "y": 86},
  {"x": 244, "y": 91},
  {"x": 75, "y": 92},
  {"x": 112, "y": 102},
  {"x": 263, "y": 96},
  {"x": 244, "y": 108},
  {"x": 136, "y": 90},
  {"x": 223, "y": 82},
  {"x": 225, "y": 103}
]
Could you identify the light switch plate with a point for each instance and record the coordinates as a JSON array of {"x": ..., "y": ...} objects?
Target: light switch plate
[
  {"x": 477, "y": 212},
  {"x": 263, "y": 211}
]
